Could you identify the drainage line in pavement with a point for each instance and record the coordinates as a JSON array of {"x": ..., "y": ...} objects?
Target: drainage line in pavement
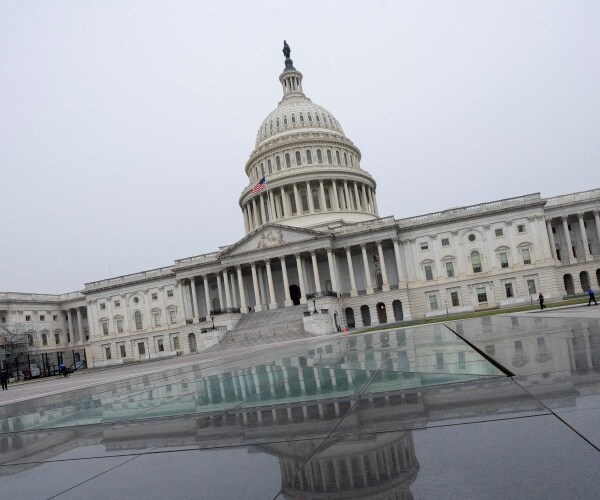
[{"x": 504, "y": 370}]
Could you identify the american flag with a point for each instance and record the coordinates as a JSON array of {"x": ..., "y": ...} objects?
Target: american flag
[{"x": 259, "y": 186}]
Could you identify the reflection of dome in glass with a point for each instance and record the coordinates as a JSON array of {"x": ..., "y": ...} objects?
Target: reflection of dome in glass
[{"x": 293, "y": 113}]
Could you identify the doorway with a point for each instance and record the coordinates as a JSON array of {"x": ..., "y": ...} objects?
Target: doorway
[{"x": 295, "y": 294}]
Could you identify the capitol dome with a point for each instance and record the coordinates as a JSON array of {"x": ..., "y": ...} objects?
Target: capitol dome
[{"x": 304, "y": 171}]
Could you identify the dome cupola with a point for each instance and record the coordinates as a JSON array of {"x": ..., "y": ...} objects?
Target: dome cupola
[{"x": 311, "y": 170}]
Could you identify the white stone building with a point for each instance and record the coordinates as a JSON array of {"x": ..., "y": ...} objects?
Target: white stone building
[{"x": 315, "y": 234}]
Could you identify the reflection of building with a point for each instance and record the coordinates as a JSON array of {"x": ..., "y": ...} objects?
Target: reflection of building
[{"x": 315, "y": 233}]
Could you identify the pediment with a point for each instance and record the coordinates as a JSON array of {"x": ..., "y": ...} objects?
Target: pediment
[{"x": 271, "y": 236}]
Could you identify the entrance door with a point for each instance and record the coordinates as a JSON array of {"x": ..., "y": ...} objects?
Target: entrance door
[
  {"x": 295, "y": 294},
  {"x": 381, "y": 313}
]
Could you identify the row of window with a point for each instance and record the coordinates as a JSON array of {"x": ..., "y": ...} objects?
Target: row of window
[
  {"x": 136, "y": 300},
  {"x": 475, "y": 257},
  {"x": 141, "y": 347},
  {"x": 499, "y": 233},
  {"x": 263, "y": 169},
  {"x": 138, "y": 320},
  {"x": 41, "y": 317},
  {"x": 319, "y": 119}
]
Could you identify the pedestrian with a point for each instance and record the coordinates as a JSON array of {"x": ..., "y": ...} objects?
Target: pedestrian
[
  {"x": 4, "y": 379},
  {"x": 541, "y": 300},
  {"x": 61, "y": 369},
  {"x": 592, "y": 297}
]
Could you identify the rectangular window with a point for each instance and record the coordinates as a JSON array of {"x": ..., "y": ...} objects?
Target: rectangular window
[
  {"x": 117, "y": 303},
  {"x": 503, "y": 259},
  {"x": 57, "y": 338},
  {"x": 169, "y": 293},
  {"x": 454, "y": 299},
  {"x": 176, "y": 343},
  {"x": 122, "y": 349},
  {"x": 42, "y": 317},
  {"x": 119, "y": 326},
  {"x": 526, "y": 255},
  {"x": 156, "y": 319},
  {"x": 154, "y": 296},
  {"x": 141, "y": 348},
  {"x": 450, "y": 269},
  {"x": 424, "y": 245},
  {"x": 161, "y": 347},
  {"x": 28, "y": 318},
  {"x": 499, "y": 232},
  {"x": 428, "y": 273},
  {"x": 508, "y": 290},
  {"x": 102, "y": 306},
  {"x": 173, "y": 316},
  {"x": 105, "y": 328},
  {"x": 481, "y": 295},
  {"x": 445, "y": 242},
  {"x": 433, "y": 302},
  {"x": 531, "y": 287},
  {"x": 55, "y": 317},
  {"x": 108, "y": 353},
  {"x": 44, "y": 339},
  {"x": 439, "y": 360},
  {"x": 521, "y": 228}
]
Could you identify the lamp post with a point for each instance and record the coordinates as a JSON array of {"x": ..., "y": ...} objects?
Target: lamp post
[
  {"x": 315, "y": 307},
  {"x": 212, "y": 318}
]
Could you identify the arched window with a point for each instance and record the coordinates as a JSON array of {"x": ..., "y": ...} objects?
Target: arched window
[
  {"x": 318, "y": 119},
  {"x": 584, "y": 279},
  {"x": 301, "y": 118},
  {"x": 138, "y": 320},
  {"x": 309, "y": 118},
  {"x": 329, "y": 159},
  {"x": 293, "y": 207},
  {"x": 288, "y": 161},
  {"x": 304, "y": 200},
  {"x": 398, "y": 313},
  {"x": 315, "y": 198},
  {"x": 345, "y": 159},
  {"x": 350, "y": 317},
  {"x": 298, "y": 158},
  {"x": 319, "y": 156},
  {"x": 365, "y": 315},
  {"x": 352, "y": 160},
  {"x": 293, "y": 118},
  {"x": 337, "y": 157},
  {"x": 285, "y": 120},
  {"x": 278, "y": 163},
  {"x": 277, "y": 122},
  {"x": 476, "y": 261},
  {"x": 271, "y": 126},
  {"x": 269, "y": 167},
  {"x": 262, "y": 169},
  {"x": 327, "y": 199},
  {"x": 308, "y": 157}
]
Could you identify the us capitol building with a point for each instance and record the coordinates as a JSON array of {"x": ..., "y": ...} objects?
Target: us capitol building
[{"x": 318, "y": 258}]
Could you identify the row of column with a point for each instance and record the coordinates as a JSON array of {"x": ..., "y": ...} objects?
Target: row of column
[
  {"x": 274, "y": 204},
  {"x": 582, "y": 232},
  {"x": 68, "y": 313}
]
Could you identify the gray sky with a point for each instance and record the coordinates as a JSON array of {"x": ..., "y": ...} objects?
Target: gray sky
[{"x": 125, "y": 125}]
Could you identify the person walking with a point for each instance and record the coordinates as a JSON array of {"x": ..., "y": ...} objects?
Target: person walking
[
  {"x": 541, "y": 300},
  {"x": 4, "y": 379},
  {"x": 592, "y": 297}
]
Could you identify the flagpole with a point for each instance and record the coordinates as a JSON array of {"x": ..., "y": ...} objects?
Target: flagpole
[{"x": 268, "y": 201}]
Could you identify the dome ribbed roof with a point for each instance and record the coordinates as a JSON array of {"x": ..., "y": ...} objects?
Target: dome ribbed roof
[{"x": 293, "y": 113}]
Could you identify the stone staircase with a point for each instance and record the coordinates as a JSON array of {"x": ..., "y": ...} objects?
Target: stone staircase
[{"x": 265, "y": 327}]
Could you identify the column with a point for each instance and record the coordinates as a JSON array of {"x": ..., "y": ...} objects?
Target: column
[
  {"x": 374, "y": 202},
  {"x": 271, "y": 201},
  {"x": 322, "y": 195},
  {"x": 234, "y": 288},
  {"x": 386, "y": 286},
  {"x": 243, "y": 305},
  {"x": 363, "y": 248},
  {"x": 401, "y": 277},
  {"x": 226, "y": 286},
  {"x": 182, "y": 314},
  {"x": 551, "y": 238},
  {"x": 597, "y": 219},
  {"x": 273, "y": 304},
  {"x": 262, "y": 208},
  {"x": 300, "y": 279},
  {"x": 353, "y": 292},
  {"x": 80, "y": 323},
  {"x": 336, "y": 201},
  {"x": 263, "y": 290},
  {"x": 220, "y": 290},
  {"x": 297, "y": 198},
  {"x": 207, "y": 295},
  {"x": 311, "y": 205},
  {"x": 584, "y": 239},
  {"x": 313, "y": 255},
  {"x": 284, "y": 208},
  {"x": 246, "y": 225},
  {"x": 332, "y": 273},
  {"x": 70, "y": 321},
  {"x": 357, "y": 197},
  {"x": 567, "y": 237},
  {"x": 347, "y": 193},
  {"x": 195, "y": 312},
  {"x": 90, "y": 318},
  {"x": 257, "y": 305},
  {"x": 365, "y": 202},
  {"x": 286, "y": 284}
]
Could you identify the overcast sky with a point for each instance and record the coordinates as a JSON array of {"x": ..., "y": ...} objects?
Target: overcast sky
[{"x": 125, "y": 125}]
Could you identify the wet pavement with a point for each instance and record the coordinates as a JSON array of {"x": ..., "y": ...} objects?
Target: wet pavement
[{"x": 492, "y": 407}]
